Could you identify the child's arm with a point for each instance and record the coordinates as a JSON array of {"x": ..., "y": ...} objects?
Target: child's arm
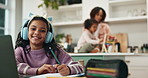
[
  {"x": 74, "y": 67},
  {"x": 88, "y": 39},
  {"x": 23, "y": 68}
]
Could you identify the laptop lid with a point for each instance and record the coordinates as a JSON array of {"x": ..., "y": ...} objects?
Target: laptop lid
[{"x": 8, "y": 68}]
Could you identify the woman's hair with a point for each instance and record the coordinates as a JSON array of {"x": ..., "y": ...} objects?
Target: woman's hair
[
  {"x": 95, "y": 10},
  {"x": 89, "y": 22},
  {"x": 23, "y": 43}
]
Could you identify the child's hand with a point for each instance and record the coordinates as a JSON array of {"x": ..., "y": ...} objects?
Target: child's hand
[
  {"x": 100, "y": 41},
  {"x": 46, "y": 68},
  {"x": 55, "y": 66},
  {"x": 63, "y": 70}
]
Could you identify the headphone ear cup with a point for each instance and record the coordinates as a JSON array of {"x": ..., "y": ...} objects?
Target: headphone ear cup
[
  {"x": 49, "y": 37},
  {"x": 24, "y": 33}
]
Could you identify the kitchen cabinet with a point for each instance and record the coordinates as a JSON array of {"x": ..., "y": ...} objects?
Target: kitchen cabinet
[
  {"x": 68, "y": 20},
  {"x": 124, "y": 16},
  {"x": 129, "y": 16},
  {"x": 137, "y": 63},
  {"x": 75, "y": 14},
  {"x": 104, "y": 56},
  {"x": 67, "y": 15},
  {"x": 138, "y": 66}
]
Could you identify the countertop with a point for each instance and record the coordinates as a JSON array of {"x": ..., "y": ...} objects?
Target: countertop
[{"x": 107, "y": 54}]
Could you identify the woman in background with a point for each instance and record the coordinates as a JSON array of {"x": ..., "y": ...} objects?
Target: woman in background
[{"x": 99, "y": 14}]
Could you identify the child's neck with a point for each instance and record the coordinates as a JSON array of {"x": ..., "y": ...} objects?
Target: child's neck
[{"x": 36, "y": 47}]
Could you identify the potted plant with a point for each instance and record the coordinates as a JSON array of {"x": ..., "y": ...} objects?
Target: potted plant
[
  {"x": 53, "y": 3},
  {"x": 59, "y": 37}
]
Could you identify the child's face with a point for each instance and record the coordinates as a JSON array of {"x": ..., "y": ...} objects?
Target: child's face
[
  {"x": 37, "y": 32},
  {"x": 93, "y": 28},
  {"x": 99, "y": 16}
]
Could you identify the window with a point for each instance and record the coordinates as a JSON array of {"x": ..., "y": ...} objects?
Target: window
[
  {"x": 2, "y": 16},
  {"x": 2, "y": 20},
  {"x": 2, "y": 1}
]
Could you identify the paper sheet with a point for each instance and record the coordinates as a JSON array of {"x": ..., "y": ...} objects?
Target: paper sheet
[
  {"x": 54, "y": 75},
  {"x": 47, "y": 75}
]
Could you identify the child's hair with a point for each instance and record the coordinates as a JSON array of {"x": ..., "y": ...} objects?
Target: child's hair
[
  {"x": 95, "y": 10},
  {"x": 23, "y": 43},
  {"x": 89, "y": 22}
]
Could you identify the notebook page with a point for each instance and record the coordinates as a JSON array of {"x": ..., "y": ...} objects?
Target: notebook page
[
  {"x": 55, "y": 75},
  {"x": 47, "y": 75}
]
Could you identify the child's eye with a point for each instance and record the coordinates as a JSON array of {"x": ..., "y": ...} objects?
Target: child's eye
[
  {"x": 99, "y": 15},
  {"x": 42, "y": 31},
  {"x": 33, "y": 29}
]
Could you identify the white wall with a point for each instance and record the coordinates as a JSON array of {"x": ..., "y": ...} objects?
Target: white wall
[
  {"x": 137, "y": 31},
  {"x": 88, "y": 5},
  {"x": 31, "y": 6},
  {"x": 18, "y": 16}
]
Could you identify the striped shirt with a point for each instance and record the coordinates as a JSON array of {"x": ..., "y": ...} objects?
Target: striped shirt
[{"x": 29, "y": 62}]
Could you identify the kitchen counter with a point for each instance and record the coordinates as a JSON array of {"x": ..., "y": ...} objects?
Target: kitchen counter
[{"x": 104, "y": 54}]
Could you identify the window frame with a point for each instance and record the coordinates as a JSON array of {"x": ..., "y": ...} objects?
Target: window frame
[
  {"x": 6, "y": 8},
  {"x": 13, "y": 17}
]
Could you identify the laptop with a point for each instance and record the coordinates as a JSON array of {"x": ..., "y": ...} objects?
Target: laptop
[{"x": 8, "y": 67}]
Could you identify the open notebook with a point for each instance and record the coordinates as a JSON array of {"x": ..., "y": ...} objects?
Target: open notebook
[
  {"x": 8, "y": 68},
  {"x": 54, "y": 75}
]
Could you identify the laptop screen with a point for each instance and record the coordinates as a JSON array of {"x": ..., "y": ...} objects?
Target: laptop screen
[{"x": 8, "y": 68}]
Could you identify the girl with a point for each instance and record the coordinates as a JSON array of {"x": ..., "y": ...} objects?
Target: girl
[
  {"x": 99, "y": 15},
  {"x": 37, "y": 52},
  {"x": 88, "y": 41}
]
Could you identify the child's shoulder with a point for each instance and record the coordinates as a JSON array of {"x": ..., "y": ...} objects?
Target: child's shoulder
[
  {"x": 86, "y": 32},
  {"x": 60, "y": 48},
  {"x": 20, "y": 49}
]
